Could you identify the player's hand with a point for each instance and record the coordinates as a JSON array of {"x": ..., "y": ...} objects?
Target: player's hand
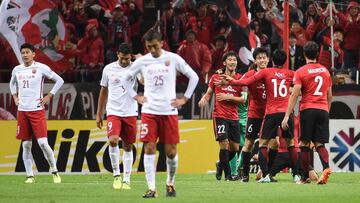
[
  {"x": 99, "y": 121},
  {"x": 222, "y": 97},
  {"x": 202, "y": 102},
  {"x": 46, "y": 99},
  {"x": 178, "y": 102},
  {"x": 140, "y": 99},
  {"x": 284, "y": 123},
  {"x": 16, "y": 101}
]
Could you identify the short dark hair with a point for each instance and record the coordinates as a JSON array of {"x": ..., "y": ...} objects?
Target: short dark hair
[
  {"x": 27, "y": 46},
  {"x": 125, "y": 48},
  {"x": 311, "y": 50},
  {"x": 260, "y": 50},
  {"x": 228, "y": 54},
  {"x": 339, "y": 30},
  {"x": 153, "y": 34},
  {"x": 279, "y": 57},
  {"x": 220, "y": 38},
  {"x": 292, "y": 35}
]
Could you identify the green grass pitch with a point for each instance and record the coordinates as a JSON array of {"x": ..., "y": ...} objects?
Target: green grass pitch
[{"x": 342, "y": 187}]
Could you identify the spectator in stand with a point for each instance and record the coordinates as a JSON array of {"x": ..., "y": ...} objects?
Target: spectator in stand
[
  {"x": 325, "y": 47},
  {"x": 91, "y": 48},
  {"x": 265, "y": 25},
  {"x": 118, "y": 32},
  {"x": 295, "y": 14},
  {"x": 296, "y": 59},
  {"x": 201, "y": 24},
  {"x": 312, "y": 14},
  {"x": 197, "y": 55},
  {"x": 352, "y": 39},
  {"x": 217, "y": 52},
  {"x": 172, "y": 27},
  {"x": 263, "y": 38},
  {"x": 78, "y": 17},
  {"x": 271, "y": 7}
]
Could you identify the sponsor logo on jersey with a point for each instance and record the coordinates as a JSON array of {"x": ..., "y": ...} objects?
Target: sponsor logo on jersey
[{"x": 228, "y": 88}]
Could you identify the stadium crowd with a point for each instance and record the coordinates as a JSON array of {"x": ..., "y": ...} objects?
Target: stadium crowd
[{"x": 200, "y": 32}]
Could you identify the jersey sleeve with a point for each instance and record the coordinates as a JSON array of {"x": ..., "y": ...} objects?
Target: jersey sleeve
[
  {"x": 297, "y": 78},
  {"x": 181, "y": 65},
  {"x": 211, "y": 82},
  {"x": 13, "y": 82},
  {"x": 104, "y": 78},
  {"x": 46, "y": 70},
  {"x": 135, "y": 68}
]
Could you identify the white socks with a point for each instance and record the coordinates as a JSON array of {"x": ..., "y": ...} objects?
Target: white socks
[
  {"x": 150, "y": 170},
  {"x": 171, "y": 166},
  {"x": 127, "y": 164},
  {"x": 27, "y": 157},
  {"x": 114, "y": 153},
  {"x": 48, "y": 153}
]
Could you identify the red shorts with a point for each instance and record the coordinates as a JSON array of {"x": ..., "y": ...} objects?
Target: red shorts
[
  {"x": 31, "y": 123},
  {"x": 123, "y": 127},
  {"x": 164, "y": 127}
]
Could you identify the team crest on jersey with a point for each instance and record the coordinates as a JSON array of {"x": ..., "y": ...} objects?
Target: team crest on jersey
[
  {"x": 167, "y": 63},
  {"x": 33, "y": 71}
]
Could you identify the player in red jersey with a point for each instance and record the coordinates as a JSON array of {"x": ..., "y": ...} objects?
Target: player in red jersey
[
  {"x": 277, "y": 82},
  {"x": 226, "y": 125},
  {"x": 313, "y": 82},
  {"x": 256, "y": 109}
]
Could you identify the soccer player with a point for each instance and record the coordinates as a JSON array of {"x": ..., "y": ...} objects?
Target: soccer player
[
  {"x": 256, "y": 109},
  {"x": 122, "y": 111},
  {"x": 313, "y": 82},
  {"x": 277, "y": 82},
  {"x": 159, "y": 106},
  {"x": 226, "y": 124},
  {"x": 26, "y": 86}
]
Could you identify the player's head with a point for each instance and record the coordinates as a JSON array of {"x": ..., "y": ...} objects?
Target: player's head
[
  {"x": 261, "y": 57},
  {"x": 311, "y": 50},
  {"x": 124, "y": 54},
  {"x": 153, "y": 42},
  {"x": 230, "y": 60},
  {"x": 279, "y": 57},
  {"x": 27, "y": 53}
]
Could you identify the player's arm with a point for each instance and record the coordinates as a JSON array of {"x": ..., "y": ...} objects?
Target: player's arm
[
  {"x": 101, "y": 105},
  {"x": 186, "y": 70},
  {"x": 292, "y": 101},
  {"x": 129, "y": 75},
  {"x": 249, "y": 80},
  {"x": 206, "y": 97},
  {"x": 58, "y": 83},
  {"x": 13, "y": 88},
  {"x": 329, "y": 97},
  {"x": 230, "y": 98}
]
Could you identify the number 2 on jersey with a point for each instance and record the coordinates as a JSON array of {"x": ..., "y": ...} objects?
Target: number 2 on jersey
[{"x": 318, "y": 79}]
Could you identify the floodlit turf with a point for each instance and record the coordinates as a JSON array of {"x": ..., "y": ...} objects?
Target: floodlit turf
[{"x": 343, "y": 187}]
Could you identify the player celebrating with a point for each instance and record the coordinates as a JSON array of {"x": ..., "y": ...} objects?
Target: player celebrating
[
  {"x": 26, "y": 86},
  {"x": 313, "y": 82},
  {"x": 121, "y": 112},
  {"x": 277, "y": 83},
  {"x": 159, "y": 111},
  {"x": 226, "y": 125}
]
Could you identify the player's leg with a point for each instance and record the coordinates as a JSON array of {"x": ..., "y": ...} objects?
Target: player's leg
[
  {"x": 221, "y": 128},
  {"x": 290, "y": 143},
  {"x": 281, "y": 162},
  {"x": 239, "y": 162},
  {"x": 149, "y": 135},
  {"x": 169, "y": 135},
  {"x": 322, "y": 137},
  {"x": 128, "y": 136},
  {"x": 273, "y": 150},
  {"x": 306, "y": 126},
  {"x": 38, "y": 124},
  {"x": 24, "y": 133},
  {"x": 234, "y": 140},
  {"x": 113, "y": 132}
]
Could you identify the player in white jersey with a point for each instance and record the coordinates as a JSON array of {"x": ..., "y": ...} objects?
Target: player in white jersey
[
  {"x": 122, "y": 112},
  {"x": 159, "y": 111},
  {"x": 26, "y": 86}
]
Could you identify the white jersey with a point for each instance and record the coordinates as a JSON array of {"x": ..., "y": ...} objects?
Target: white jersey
[
  {"x": 160, "y": 81},
  {"x": 28, "y": 82},
  {"x": 119, "y": 102}
]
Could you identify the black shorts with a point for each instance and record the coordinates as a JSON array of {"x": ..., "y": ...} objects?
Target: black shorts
[
  {"x": 253, "y": 127},
  {"x": 272, "y": 122},
  {"x": 227, "y": 129},
  {"x": 314, "y": 125},
  {"x": 283, "y": 161}
]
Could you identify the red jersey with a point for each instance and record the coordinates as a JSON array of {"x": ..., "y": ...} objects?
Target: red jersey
[
  {"x": 315, "y": 81},
  {"x": 257, "y": 97},
  {"x": 277, "y": 83},
  {"x": 226, "y": 109}
]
